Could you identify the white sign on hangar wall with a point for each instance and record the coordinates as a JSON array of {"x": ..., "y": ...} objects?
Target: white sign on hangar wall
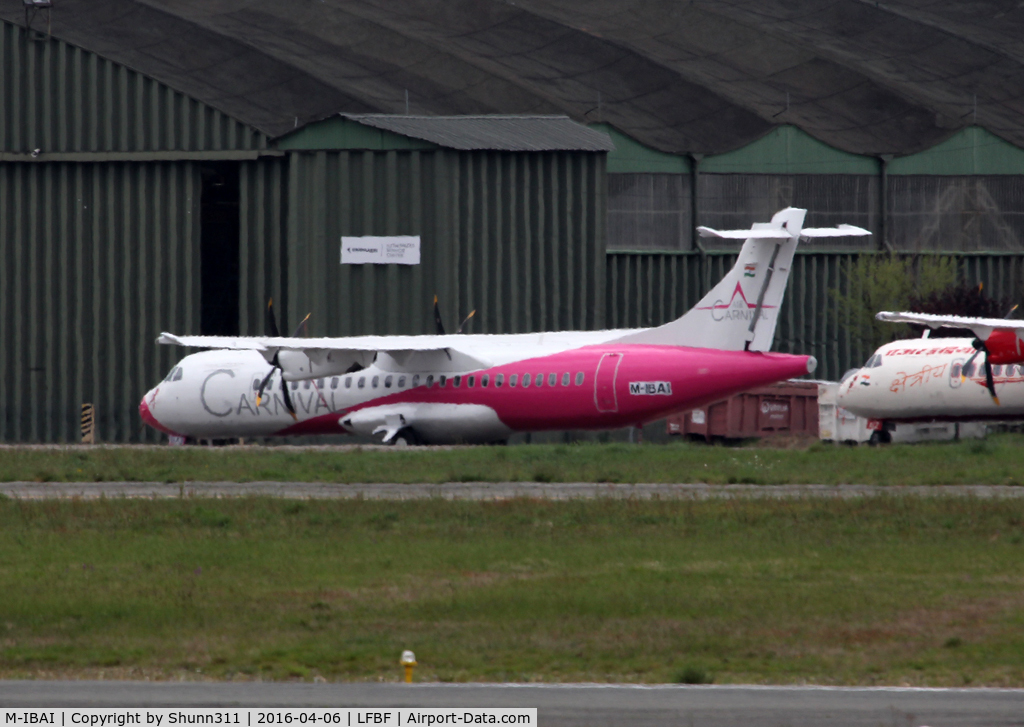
[{"x": 395, "y": 249}]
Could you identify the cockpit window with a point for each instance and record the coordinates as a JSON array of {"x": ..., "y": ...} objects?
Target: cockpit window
[
  {"x": 178, "y": 374},
  {"x": 170, "y": 374},
  {"x": 873, "y": 362}
]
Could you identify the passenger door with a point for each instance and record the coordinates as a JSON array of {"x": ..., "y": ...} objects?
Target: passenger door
[{"x": 605, "y": 397}]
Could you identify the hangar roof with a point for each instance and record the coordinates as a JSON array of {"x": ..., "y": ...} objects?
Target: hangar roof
[
  {"x": 496, "y": 132},
  {"x": 704, "y": 77}
]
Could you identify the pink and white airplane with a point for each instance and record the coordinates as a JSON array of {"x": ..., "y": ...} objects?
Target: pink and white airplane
[
  {"x": 940, "y": 379},
  {"x": 483, "y": 388}
]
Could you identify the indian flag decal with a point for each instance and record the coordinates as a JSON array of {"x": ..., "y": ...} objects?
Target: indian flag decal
[{"x": 748, "y": 269}]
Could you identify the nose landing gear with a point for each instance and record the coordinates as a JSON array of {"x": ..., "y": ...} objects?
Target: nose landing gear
[
  {"x": 880, "y": 436},
  {"x": 406, "y": 436}
]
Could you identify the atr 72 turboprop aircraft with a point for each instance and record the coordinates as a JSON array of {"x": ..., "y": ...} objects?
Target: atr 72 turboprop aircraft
[
  {"x": 940, "y": 379},
  {"x": 483, "y": 388}
]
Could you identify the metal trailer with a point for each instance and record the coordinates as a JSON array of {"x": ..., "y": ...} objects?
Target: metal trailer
[{"x": 786, "y": 408}]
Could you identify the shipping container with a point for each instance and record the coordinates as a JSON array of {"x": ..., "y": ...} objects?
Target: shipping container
[{"x": 788, "y": 407}]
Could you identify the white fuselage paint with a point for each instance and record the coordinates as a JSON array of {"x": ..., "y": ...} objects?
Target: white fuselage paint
[
  {"x": 214, "y": 395},
  {"x": 919, "y": 380}
]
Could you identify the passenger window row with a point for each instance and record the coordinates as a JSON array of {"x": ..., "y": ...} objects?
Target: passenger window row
[
  {"x": 978, "y": 369},
  {"x": 513, "y": 380},
  {"x": 457, "y": 381}
]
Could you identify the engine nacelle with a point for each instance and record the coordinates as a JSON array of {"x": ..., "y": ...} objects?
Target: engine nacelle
[
  {"x": 319, "y": 363},
  {"x": 434, "y": 422},
  {"x": 1004, "y": 347}
]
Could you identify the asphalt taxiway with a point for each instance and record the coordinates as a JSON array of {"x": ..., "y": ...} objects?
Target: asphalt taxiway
[
  {"x": 569, "y": 705},
  {"x": 480, "y": 490}
]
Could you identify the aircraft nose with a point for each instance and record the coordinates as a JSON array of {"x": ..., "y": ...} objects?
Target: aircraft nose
[
  {"x": 147, "y": 414},
  {"x": 847, "y": 386}
]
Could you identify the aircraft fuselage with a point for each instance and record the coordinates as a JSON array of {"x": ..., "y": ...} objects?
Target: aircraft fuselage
[
  {"x": 213, "y": 394},
  {"x": 920, "y": 380}
]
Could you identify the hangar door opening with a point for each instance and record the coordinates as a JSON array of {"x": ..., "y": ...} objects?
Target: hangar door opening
[{"x": 219, "y": 233}]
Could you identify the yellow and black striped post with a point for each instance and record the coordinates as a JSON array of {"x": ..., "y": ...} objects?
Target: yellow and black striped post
[{"x": 88, "y": 424}]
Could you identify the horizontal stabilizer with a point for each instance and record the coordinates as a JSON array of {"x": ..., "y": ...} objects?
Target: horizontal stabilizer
[
  {"x": 781, "y": 234},
  {"x": 839, "y": 231},
  {"x": 775, "y": 234}
]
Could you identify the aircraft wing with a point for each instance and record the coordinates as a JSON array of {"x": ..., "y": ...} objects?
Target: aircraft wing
[
  {"x": 983, "y": 327},
  {"x": 351, "y": 343},
  {"x": 318, "y": 350}
]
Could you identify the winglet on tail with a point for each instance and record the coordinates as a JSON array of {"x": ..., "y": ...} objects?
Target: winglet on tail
[{"x": 741, "y": 311}]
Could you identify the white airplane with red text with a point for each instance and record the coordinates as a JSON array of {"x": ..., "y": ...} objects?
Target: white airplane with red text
[
  {"x": 483, "y": 388},
  {"x": 940, "y": 379}
]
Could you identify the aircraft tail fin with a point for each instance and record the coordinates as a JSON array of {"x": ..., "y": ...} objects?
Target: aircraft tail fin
[{"x": 741, "y": 311}]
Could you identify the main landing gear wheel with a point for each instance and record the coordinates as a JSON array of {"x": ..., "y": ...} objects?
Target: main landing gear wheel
[
  {"x": 880, "y": 436},
  {"x": 406, "y": 437}
]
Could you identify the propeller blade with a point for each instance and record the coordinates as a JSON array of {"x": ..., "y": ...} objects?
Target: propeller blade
[
  {"x": 263, "y": 385},
  {"x": 963, "y": 374},
  {"x": 1015, "y": 307},
  {"x": 271, "y": 320},
  {"x": 438, "y": 323},
  {"x": 989, "y": 383},
  {"x": 301, "y": 326},
  {"x": 471, "y": 314},
  {"x": 288, "y": 399},
  {"x": 275, "y": 364}
]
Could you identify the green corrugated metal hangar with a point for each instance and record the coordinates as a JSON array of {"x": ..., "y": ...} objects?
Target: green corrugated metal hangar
[{"x": 172, "y": 166}]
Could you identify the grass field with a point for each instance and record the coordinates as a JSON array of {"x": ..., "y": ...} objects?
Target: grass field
[
  {"x": 886, "y": 590},
  {"x": 992, "y": 461}
]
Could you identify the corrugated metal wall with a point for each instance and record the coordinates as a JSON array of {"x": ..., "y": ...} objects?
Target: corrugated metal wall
[
  {"x": 733, "y": 201},
  {"x": 648, "y": 290},
  {"x": 518, "y": 237},
  {"x": 650, "y": 212},
  {"x": 99, "y": 234},
  {"x": 263, "y": 258},
  {"x": 653, "y": 211},
  {"x": 59, "y": 98},
  {"x": 97, "y": 259},
  {"x": 970, "y": 213}
]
